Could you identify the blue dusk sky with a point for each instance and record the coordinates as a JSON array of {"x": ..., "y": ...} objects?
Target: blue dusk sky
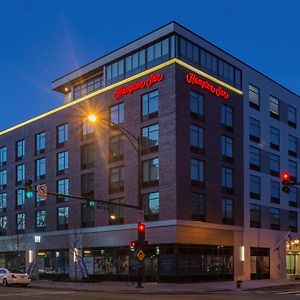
[{"x": 44, "y": 40}]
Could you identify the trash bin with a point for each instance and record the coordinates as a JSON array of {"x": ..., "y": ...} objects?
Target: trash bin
[{"x": 238, "y": 284}]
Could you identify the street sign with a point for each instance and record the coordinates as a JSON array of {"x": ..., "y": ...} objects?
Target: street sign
[
  {"x": 42, "y": 191},
  {"x": 103, "y": 206},
  {"x": 140, "y": 255}
]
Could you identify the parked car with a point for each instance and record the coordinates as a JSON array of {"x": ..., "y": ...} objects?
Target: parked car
[{"x": 13, "y": 276}]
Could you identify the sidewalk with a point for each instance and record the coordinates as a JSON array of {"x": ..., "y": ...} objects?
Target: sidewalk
[{"x": 161, "y": 288}]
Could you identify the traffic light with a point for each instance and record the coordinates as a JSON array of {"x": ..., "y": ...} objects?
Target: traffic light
[
  {"x": 133, "y": 245},
  {"x": 28, "y": 189},
  {"x": 286, "y": 183},
  {"x": 141, "y": 235},
  {"x": 91, "y": 203}
]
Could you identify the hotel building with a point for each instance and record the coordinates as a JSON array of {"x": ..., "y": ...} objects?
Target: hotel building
[{"x": 215, "y": 136}]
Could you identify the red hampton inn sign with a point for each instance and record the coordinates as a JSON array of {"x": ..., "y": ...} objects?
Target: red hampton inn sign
[
  {"x": 191, "y": 78},
  {"x": 153, "y": 78}
]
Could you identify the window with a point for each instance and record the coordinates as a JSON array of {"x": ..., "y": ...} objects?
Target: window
[
  {"x": 87, "y": 87},
  {"x": 40, "y": 143},
  {"x": 197, "y": 105},
  {"x": 254, "y": 95},
  {"x": 254, "y": 187},
  {"x": 292, "y": 146},
  {"x": 150, "y": 105},
  {"x": 197, "y": 171},
  {"x": 227, "y": 211},
  {"x": 158, "y": 53},
  {"x": 62, "y": 162},
  {"x": 117, "y": 114},
  {"x": 87, "y": 215},
  {"x": 292, "y": 116},
  {"x": 40, "y": 220},
  {"x": 3, "y": 202},
  {"x": 87, "y": 185},
  {"x": 275, "y": 218},
  {"x": 117, "y": 211},
  {"x": 275, "y": 191},
  {"x": 227, "y": 180},
  {"x": 115, "y": 71},
  {"x": 293, "y": 196},
  {"x": 87, "y": 156},
  {"x": 87, "y": 129},
  {"x": 62, "y": 188},
  {"x": 135, "y": 63},
  {"x": 274, "y": 164},
  {"x": 20, "y": 195},
  {"x": 20, "y": 223},
  {"x": 3, "y": 155},
  {"x": 116, "y": 148},
  {"x": 151, "y": 206},
  {"x": 254, "y": 130},
  {"x": 62, "y": 218},
  {"x": 292, "y": 170},
  {"x": 274, "y": 138},
  {"x": 189, "y": 52},
  {"x": 254, "y": 157},
  {"x": 198, "y": 207},
  {"x": 150, "y": 172},
  {"x": 227, "y": 117},
  {"x": 3, "y": 178},
  {"x": 293, "y": 221},
  {"x": 274, "y": 107},
  {"x": 62, "y": 134},
  {"x": 197, "y": 139},
  {"x": 255, "y": 215},
  {"x": 40, "y": 168},
  {"x": 150, "y": 138},
  {"x": 3, "y": 225},
  {"x": 20, "y": 149},
  {"x": 20, "y": 174},
  {"x": 116, "y": 180},
  {"x": 227, "y": 148}
]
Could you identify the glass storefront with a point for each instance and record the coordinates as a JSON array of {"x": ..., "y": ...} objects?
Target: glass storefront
[
  {"x": 14, "y": 260},
  {"x": 260, "y": 263}
]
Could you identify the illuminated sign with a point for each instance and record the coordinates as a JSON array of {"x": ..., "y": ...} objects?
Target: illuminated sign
[
  {"x": 153, "y": 78},
  {"x": 206, "y": 85}
]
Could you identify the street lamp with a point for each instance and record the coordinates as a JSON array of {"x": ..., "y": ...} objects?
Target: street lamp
[{"x": 37, "y": 240}]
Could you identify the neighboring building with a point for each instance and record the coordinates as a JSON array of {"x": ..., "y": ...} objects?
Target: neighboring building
[{"x": 215, "y": 134}]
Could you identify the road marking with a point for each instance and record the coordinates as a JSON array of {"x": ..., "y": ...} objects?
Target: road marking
[{"x": 37, "y": 294}]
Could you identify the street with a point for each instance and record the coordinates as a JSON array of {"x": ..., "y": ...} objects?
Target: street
[{"x": 14, "y": 293}]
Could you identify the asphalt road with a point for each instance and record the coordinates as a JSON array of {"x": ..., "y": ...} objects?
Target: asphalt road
[{"x": 17, "y": 293}]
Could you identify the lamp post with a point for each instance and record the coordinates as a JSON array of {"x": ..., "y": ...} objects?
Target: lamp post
[
  {"x": 37, "y": 240},
  {"x": 135, "y": 142}
]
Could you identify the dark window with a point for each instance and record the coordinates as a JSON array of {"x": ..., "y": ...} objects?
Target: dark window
[
  {"x": 275, "y": 218},
  {"x": 40, "y": 168},
  {"x": 150, "y": 138},
  {"x": 292, "y": 170},
  {"x": 197, "y": 139},
  {"x": 293, "y": 221},
  {"x": 227, "y": 117},
  {"x": 198, "y": 207},
  {"x": 293, "y": 196},
  {"x": 255, "y": 187},
  {"x": 274, "y": 164},
  {"x": 62, "y": 134},
  {"x": 197, "y": 172},
  {"x": 150, "y": 105},
  {"x": 151, "y": 206},
  {"x": 20, "y": 197},
  {"x": 254, "y": 157},
  {"x": 227, "y": 180},
  {"x": 3, "y": 202},
  {"x": 292, "y": 116},
  {"x": 197, "y": 105},
  {"x": 87, "y": 215},
  {"x": 116, "y": 180},
  {"x": 62, "y": 188},
  {"x": 135, "y": 63},
  {"x": 117, "y": 114},
  {"x": 40, "y": 220},
  {"x": 20, "y": 223},
  {"x": 274, "y": 138},
  {"x": 117, "y": 212},
  {"x": 3, "y": 179},
  {"x": 227, "y": 148},
  {"x": 292, "y": 146},
  {"x": 254, "y": 130},
  {"x": 275, "y": 191},
  {"x": 62, "y": 218},
  {"x": 116, "y": 149},
  {"x": 40, "y": 143},
  {"x": 87, "y": 129},
  {"x": 62, "y": 162},
  {"x": 227, "y": 211},
  {"x": 20, "y": 174},
  {"x": 87, "y": 185},
  {"x": 20, "y": 149},
  {"x": 255, "y": 215},
  {"x": 254, "y": 97},
  {"x": 87, "y": 156},
  {"x": 274, "y": 107},
  {"x": 3, "y": 155},
  {"x": 87, "y": 87},
  {"x": 3, "y": 225},
  {"x": 150, "y": 170}
]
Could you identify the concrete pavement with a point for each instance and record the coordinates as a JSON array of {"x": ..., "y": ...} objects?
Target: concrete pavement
[{"x": 161, "y": 288}]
